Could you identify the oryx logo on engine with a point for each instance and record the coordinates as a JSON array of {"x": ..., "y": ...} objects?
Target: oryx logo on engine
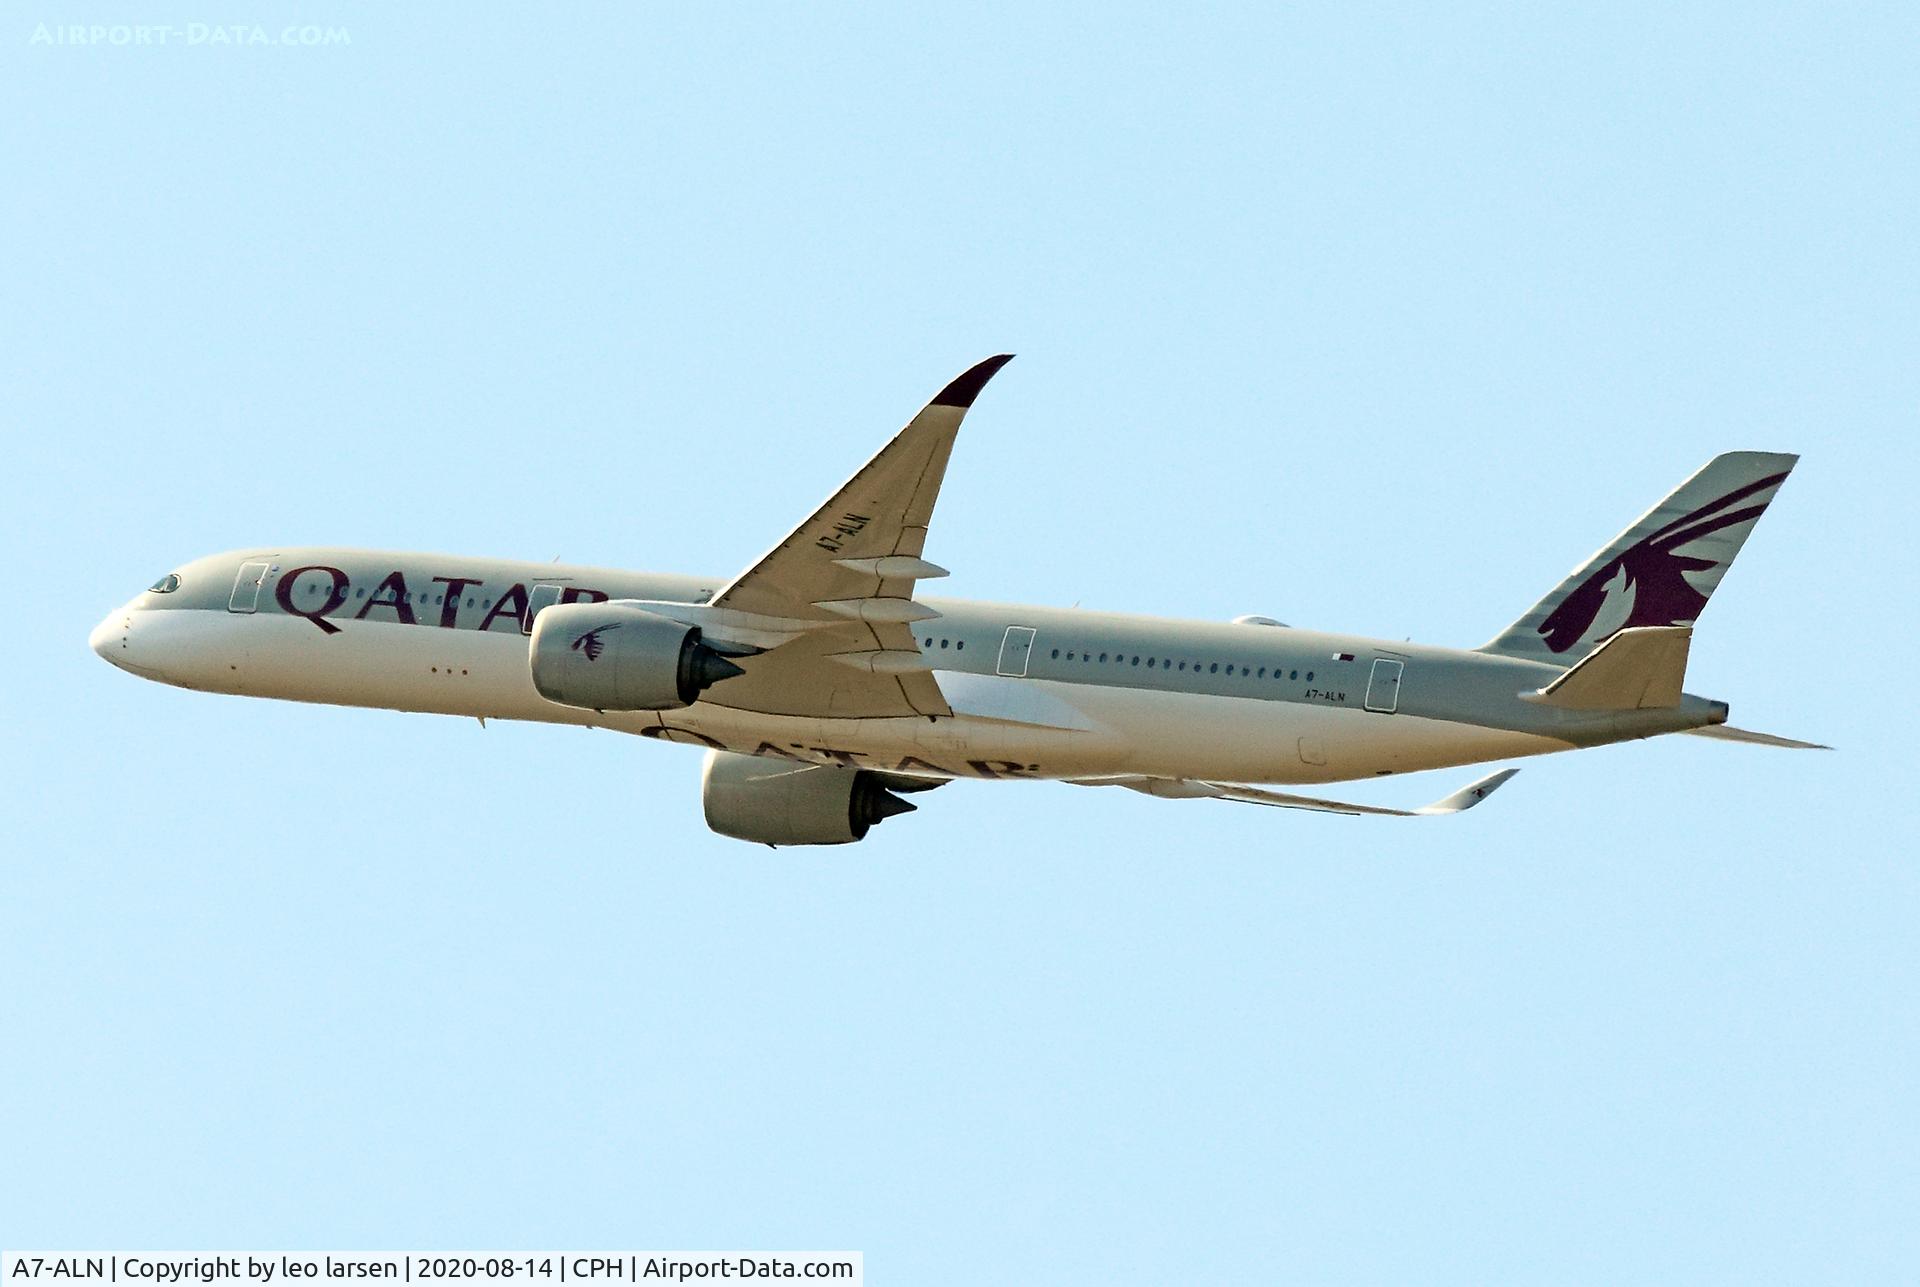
[{"x": 591, "y": 643}]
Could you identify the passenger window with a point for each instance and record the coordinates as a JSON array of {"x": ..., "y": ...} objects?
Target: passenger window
[
  {"x": 1214, "y": 669},
  {"x": 1056, "y": 654},
  {"x": 1309, "y": 676},
  {"x": 943, "y": 643}
]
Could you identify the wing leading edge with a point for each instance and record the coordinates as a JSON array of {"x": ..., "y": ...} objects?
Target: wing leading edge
[{"x": 837, "y": 592}]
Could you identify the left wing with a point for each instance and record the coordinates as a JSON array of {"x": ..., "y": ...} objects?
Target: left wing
[
  {"x": 833, "y": 602},
  {"x": 1184, "y": 789}
]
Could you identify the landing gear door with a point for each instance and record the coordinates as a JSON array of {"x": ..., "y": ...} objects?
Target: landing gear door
[
  {"x": 1014, "y": 650},
  {"x": 1383, "y": 686},
  {"x": 543, "y": 596},
  {"x": 246, "y": 586}
]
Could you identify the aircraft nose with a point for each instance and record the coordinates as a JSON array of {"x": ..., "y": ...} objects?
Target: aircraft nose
[{"x": 110, "y": 638}]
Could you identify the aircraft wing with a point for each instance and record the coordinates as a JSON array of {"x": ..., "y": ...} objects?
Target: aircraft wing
[
  {"x": 835, "y": 598},
  {"x": 1185, "y": 789}
]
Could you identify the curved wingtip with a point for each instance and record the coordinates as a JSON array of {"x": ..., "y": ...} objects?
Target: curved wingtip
[
  {"x": 966, "y": 387},
  {"x": 1471, "y": 794}
]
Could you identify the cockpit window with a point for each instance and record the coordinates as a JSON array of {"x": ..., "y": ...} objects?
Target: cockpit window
[{"x": 166, "y": 584}]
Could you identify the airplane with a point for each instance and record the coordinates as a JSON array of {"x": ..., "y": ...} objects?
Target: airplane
[{"x": 825, "y": 689}]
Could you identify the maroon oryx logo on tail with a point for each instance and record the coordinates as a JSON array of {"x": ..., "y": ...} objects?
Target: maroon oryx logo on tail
[
  {"x": 591, "y": 643},
  {"x": 1653, "y": 572}
]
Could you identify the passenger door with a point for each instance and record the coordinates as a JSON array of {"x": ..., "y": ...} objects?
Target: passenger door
[{"x": 1383, "y": 685}]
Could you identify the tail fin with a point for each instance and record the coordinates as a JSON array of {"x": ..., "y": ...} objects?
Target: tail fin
[{"x": 1660, "y": 571}]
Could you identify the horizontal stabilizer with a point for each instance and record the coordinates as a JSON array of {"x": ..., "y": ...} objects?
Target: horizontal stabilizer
[
  {"x": 1185, "y": 789},
  {"x": 1640, "y": 668},
  {"x": 1725, "y": 733}
]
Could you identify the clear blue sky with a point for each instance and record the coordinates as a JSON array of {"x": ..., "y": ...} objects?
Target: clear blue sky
[{"x": 1365, "y": 318}]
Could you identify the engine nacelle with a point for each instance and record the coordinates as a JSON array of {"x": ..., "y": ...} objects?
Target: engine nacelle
[
  {"x": 779, "y": 802},
  {"x": 613, "y": 657}
]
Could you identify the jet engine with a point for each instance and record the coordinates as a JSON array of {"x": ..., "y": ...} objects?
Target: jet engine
[
  {"x": 613, "y": 657},
  {"x": 779, "y": 802}
]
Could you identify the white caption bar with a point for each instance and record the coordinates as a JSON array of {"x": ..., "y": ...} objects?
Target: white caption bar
[{"x": 441, "y": 1268}]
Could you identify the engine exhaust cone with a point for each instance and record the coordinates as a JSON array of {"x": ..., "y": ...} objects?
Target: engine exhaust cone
[
  {"x": 711, "y": 668},
  {"x": 872, "y": 803},
  {"x": 888, "y": 805},
  {"x": 700, "y": 669}
]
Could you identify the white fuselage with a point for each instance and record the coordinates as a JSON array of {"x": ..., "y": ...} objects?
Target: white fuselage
[{"x": 1085, "y": 695}]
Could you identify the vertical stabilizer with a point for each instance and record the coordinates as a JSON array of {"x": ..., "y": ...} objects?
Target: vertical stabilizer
[{"x": 1661, "y": 570}]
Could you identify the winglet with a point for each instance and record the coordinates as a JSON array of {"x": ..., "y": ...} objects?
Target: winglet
[
  {"x": 1466, "y": 797},
  {"x": 966, "y": 386}
]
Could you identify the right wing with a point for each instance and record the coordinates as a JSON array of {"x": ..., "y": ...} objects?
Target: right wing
[{"x": 832, "y": 604}]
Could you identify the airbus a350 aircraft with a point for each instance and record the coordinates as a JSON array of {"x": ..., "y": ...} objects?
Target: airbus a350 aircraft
[{"x": 824, "y": 688}]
